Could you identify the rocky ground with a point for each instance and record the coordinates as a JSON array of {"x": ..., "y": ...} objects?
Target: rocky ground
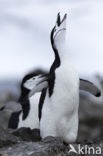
[{"x": 27, "y": 142}]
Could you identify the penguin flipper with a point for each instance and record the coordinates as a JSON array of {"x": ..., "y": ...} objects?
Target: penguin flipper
[{"x": 90, "y": 87}]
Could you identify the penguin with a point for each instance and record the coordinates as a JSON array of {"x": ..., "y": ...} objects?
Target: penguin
[
  {"x": 59, "y": 103},
  {"x": 28, "y": 115},
  {"x": 59, "y": 114}
]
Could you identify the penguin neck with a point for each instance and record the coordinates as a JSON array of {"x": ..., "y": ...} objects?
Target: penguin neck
[
  {"x": 33, "y": 101},
  {"x": 60, "y": 55},
  {"x": 60, "y": 52}
]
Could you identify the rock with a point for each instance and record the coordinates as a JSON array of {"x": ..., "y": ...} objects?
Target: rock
[
  {"x": 91, "y": 120},
  {"x": 13, "y": 146},
  {"x": 5, "y": 114},
  {"x": 27, "y": 134},
  {"x": 7, "y": 139}
]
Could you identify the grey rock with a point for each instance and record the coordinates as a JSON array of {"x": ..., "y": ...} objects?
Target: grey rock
[
  {"x": 7, "y": 139},
  {"x": 91, "y": 120},
  {"x": 11, "y": 145},
  {"x": 14, "y": 146},
  {"x": 26, "y": 134}
]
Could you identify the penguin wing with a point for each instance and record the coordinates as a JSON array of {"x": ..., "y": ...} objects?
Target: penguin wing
[{"x": 90, "y": 87}]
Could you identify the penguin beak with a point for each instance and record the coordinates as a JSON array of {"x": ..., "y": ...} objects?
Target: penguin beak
[
  {"x": 43, "y": 78},
  {"x": 58, "y": 28},
  {"x": 60, "y": 25},
  {"x": 64, "y": 18},
  {"x": 60, "y": 22},
  {"x": 58, "y": 19}
]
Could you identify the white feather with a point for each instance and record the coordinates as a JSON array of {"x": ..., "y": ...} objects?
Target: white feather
[
  {"x": 32, "y": 119},
  {"x": 60, "y": 112},
  {"x": 33, "y": 82}
]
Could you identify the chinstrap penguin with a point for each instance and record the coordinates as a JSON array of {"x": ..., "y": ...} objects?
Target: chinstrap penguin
[
  {"x": 59, "y": 114},
  {"x": 29, "y": 100},
  {"x": 59, "y": 103}
]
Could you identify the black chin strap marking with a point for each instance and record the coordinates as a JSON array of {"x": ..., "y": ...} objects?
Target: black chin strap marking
[{"x": 55, "y": 65}]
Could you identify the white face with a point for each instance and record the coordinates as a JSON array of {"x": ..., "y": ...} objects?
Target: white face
[
  {"x": 36, "y": 84},
  {"x": 33, "y": 82},
  {"x": 59, "y": 33}
]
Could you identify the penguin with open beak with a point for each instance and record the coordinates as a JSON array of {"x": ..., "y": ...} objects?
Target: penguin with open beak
[{"x": 59, "y": 102}]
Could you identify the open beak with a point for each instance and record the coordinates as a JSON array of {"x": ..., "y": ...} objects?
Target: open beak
[
  {"x": 64, "y": 18},
  {"x": 59, "y": 21}
]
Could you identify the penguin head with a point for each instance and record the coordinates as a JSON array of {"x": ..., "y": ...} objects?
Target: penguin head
[
  {"x": 36, "y": 84},
  {"x": 58, "y": 33},
  {"x": 35, "y": 81},
  {"x": 28, "y": 83}
]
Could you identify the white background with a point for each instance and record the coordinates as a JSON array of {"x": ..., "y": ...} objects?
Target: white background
[{"x": 25, "y": 27}]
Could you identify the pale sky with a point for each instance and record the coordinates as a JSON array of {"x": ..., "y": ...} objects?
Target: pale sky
[{"x": 25, "y": 27}]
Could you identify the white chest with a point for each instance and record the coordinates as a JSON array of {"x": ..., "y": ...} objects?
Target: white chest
[
  {"x": 66, "y": 88},
  {"x": 32, "y": 119},
  {"x": 60, "y": 111}
]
